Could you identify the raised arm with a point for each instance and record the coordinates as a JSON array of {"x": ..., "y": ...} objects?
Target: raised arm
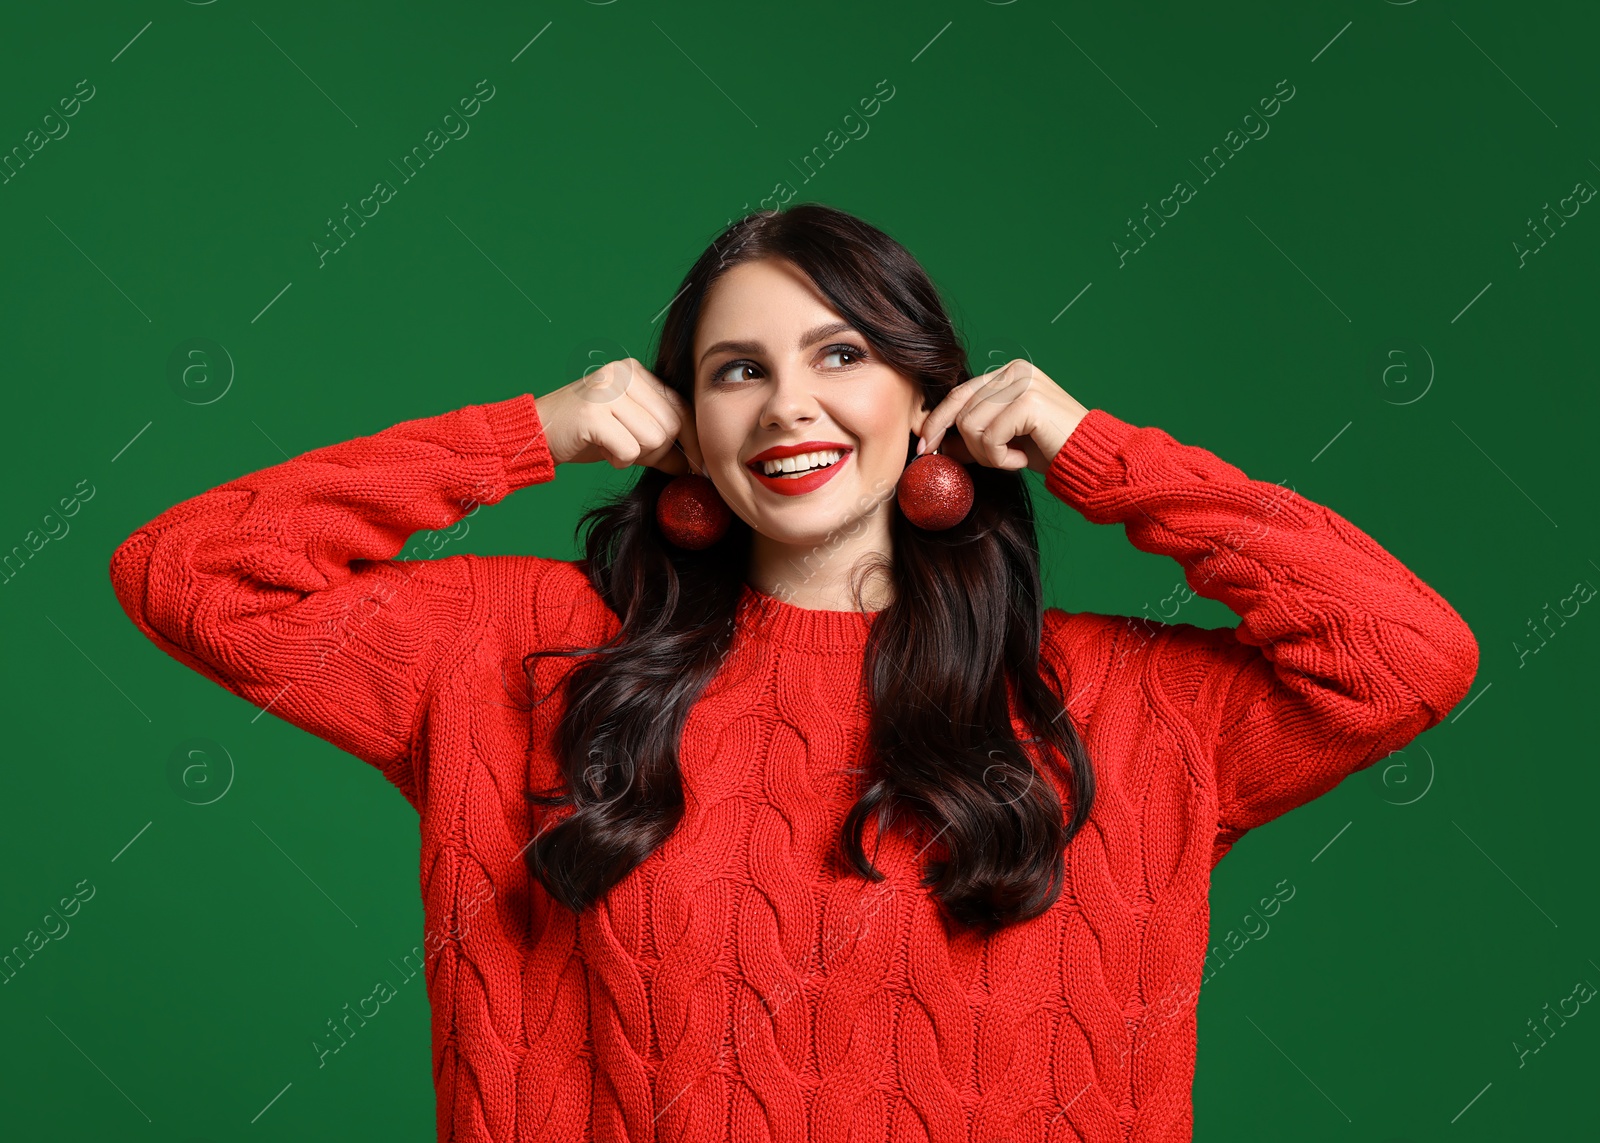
[
  {"x": 282, "y": 585},
  {"x": 1341, "y": 656}
]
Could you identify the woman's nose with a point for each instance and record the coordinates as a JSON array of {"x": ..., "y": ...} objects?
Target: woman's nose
[{"x": 791, "y": 400}]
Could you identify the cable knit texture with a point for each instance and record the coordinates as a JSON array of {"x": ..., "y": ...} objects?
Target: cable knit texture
[{"x": 739, "y": 985}]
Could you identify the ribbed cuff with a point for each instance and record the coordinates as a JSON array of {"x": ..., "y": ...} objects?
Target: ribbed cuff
[
  {"x": 519, "y": 436},
  {"x": 1090, "y": 458}
]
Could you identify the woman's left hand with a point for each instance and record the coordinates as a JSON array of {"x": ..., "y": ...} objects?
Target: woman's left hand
[{"x": 1011, "y": 417}]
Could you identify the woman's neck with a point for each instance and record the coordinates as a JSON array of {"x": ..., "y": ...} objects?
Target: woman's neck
[{"x": 824, "y": 574}]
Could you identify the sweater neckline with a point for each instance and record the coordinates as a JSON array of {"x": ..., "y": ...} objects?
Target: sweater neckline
[{"x": 770, "y": 618}]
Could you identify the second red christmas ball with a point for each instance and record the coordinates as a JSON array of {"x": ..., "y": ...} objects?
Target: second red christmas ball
[
  {"x": 935, "y": 492},
  {"x": 692, "y": 513}
]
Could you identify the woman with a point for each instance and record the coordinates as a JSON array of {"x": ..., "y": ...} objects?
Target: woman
[{"x": 828, "y": 829}]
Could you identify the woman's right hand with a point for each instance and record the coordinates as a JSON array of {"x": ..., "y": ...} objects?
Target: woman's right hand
[{"x": 623, "y": 414}]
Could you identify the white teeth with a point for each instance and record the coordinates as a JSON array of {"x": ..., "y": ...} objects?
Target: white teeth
[{"x": 802, "y": 462}]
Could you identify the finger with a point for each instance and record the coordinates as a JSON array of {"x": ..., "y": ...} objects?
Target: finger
[
  {"x": 619, "y": 446},
  {"x": 650, "y": 435},
  {"x": 675, "y": 417},
  {"x": 953, "y": 405},
  {"x": 999, "y": 413},
  {"x": 944, "y": 415},
  {"x": 668, "y": 406},
  {"x": 971, "y": 428},
  {"x": 689, "y": 435},
  {"x": 671, "y": 460},
  {"x": 605, "y": 384},
  {"x": 1013, "y": 422},
  {"x": 648, "y": 388}
]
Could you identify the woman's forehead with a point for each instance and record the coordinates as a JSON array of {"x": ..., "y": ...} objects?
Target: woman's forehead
[{"x": 770, "y": 301}]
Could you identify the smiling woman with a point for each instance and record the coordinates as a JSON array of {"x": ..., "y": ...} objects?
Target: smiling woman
[
  {"x": 761, "y": 399},
  {"x": 819, "y": 336},
  {"x": 781, "y": 845}
]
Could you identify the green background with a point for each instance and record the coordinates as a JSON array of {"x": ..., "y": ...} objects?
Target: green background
[{"x": 1432, "y": 917}]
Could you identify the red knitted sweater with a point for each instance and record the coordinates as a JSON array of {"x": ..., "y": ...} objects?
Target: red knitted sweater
[{"x": 736, "y": 985}]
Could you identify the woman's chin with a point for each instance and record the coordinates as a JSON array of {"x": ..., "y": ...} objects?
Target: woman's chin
[
  {"x": 818, "y": 525},
  {"x": 826, "y": 517}
]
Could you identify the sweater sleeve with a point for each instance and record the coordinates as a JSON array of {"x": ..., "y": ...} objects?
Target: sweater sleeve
[
  {"x": 281, "y": 585},
  {"x": 1341, "y": 656}
]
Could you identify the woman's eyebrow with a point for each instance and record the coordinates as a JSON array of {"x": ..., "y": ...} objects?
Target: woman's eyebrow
[{"x": 809, "y": 337}]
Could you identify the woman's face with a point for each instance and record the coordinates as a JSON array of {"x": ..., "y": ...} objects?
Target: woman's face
[{"x": 775, "y": 366}]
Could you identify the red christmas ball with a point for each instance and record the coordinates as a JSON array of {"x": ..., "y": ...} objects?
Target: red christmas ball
[
  {"x": 935, "y": 492},
  {"x": 692, "y": 513}
]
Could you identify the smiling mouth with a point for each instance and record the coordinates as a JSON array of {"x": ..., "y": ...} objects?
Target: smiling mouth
[
  {"x": 760, "y": 468},
  {"x": 819, "y": 471}
]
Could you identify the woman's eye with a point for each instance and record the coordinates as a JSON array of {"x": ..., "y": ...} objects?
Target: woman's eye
[
  {"x": 722, "y": 375},
  {"x": 730, "y": 373}
]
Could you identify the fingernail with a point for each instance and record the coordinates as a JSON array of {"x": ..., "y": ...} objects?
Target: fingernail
[{"x": 921, "y": 446}]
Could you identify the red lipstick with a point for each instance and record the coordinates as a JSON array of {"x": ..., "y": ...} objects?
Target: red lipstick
[{"x": 797, "y": 485}]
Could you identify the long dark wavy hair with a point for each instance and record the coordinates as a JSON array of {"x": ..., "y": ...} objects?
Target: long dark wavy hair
[{"x": 943, "y": 664}]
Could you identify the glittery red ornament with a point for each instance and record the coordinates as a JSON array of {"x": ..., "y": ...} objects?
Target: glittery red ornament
[
  {"x": 692, "y": 513},
  {"x": 935, "y": 492}
]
